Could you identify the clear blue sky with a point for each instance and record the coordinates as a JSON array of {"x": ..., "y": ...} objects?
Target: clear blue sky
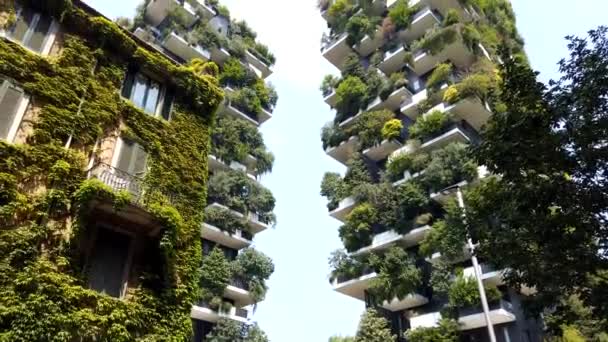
[{"x": 300, "y": 306}]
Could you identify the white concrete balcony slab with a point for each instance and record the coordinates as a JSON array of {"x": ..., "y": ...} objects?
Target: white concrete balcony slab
[
  {"x": 264, "y": 115},
  {"x": 158, "y": 10},
  {"x": 391, "y": 238},
  {"x": 184, "y": 50},
  {"x": 393, "y": 60},
  {"x": 393, "y": 101},
  {"x": 410, "y": 106},
  {"x": 236, "y": 240},
  {"x": 473, "y": 318},
  {"x": 465, "y": 255},
  {"x": 369, "y": 44},
  {"x": 207, "y": 11},
  {"x": 255, "y": 224},
  {"x": 423, "y": 21},
  {"x": 212, "y": 316},
  {"x": 472, "y": 110},
  {"x": 407, "y": 176},
  {"x": 383, "y": 150},
  {"x": 456, "y": 52},
  {"x": 344, "y": 208},
  {"x": 454, "y": 135},
  {"x": 344, "y": 151},
  {"x": 488, "y": 274},
  {"x": 443, "y": 198},
  {"x": 238, "y": 291},
  {"x": 258, "y": 64},
  {"x": 428, "y": 320},
  {"x": 443, "y": 6},
  {"x": 337, "y": 51},
  {"x": 410, "y": 301},
  {"x": 228, "y": 109},
  {"x": 331, "y": 99}
]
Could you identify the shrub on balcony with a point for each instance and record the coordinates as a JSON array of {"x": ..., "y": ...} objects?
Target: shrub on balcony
[
  {"x": 464, "y": 293},
  {"x": 332, "y": 135},
  {"x": 254, "y": 268},
  {"x": 397, "y": 276},
  {"x": 267, "y": 94},
  {"x": 375, "y": 82},
  {"x": 451, "y": 95},
  {"x": 477, "y": 85},
  {"x": 374, "y": 328},
  {"x": 329, "y": 84},
  {"x": 357, "y": 27},
  {"x": 235, "y": 75},
  {"x": 439, "y": 76},
  {"x": 401, "y": 14},
  {"x": 246, "y": 100},
  {"x": 445, "y": 331},
  {"x": 357, "y": 173},
  {"x": 402, "y": 162},
  {"x": 234, "y": 140},
  {"x": 376, "y": 58},
  {"x": 412, "y": 201},
  {"x": 428, "y": 125},
  {"x": 334, "y": 189},
  {"x": 356, "y": 232},
  {"x": 436, "y": 39},
  {"x": 451, "y": 18},
  {"x": 448, "y": 166},
  {"x": 262, "y": 52},
  {"x": 349, "y": 96},
  {"x": 345, "y": 266},
  {"x": 368, "y": 127},
  {"x": 206, "y": 37},
  {"x": 352, "y": 67},
  {"x": 225, "y": 220},
  {"x": 447, "y": 236},
  {"x": 229, "y": 330},
  {"x": 392, "y": 129},
  {"x": 339, "y": 12},
  {"x": 471, "y": 37},
  {"x": 216, "y": 274}
]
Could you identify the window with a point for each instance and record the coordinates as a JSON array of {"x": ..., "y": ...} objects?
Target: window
[
  {"x": 132, "y": 158},
  {"x": 148, "y": 94},
  {"x": 31, "y": 29},
  {"x": 10, "y": 101},
  {"x": 108, "y": 263}
]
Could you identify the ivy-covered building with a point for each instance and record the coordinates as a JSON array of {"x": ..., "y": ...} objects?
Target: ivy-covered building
[
  {"x": 414, "y": 92},
  {"x": 238, "y": 207},
  {"x": 129, "y": 186}
]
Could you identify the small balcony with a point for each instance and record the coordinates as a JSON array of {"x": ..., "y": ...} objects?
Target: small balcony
[
  {"x": 410, "y": 301},
  {"x": 423, "y": 21},
  {"x": 456, "y": 52},
  {"x": 369, "y": 44},
  {"x": 256, "y": 225},
  {"x": 229, "y": 109},
  {"x": 393, "y": 60},
  {"x": 501, "y": 312},
  {"x": 455, "y": 133},
  {"x": 216, "y": 164},
  {"x": 410, "y": 106},
  {"x": 258, "y": 64},
  {"x": 383, "y": 150},
  {"x": 489, "y": 275},
  {"x": 331, "y": 99},
  {"x": 391, "y": 238},
  {"x": 207, "y": 11},
  {"x": 344, "y": 151},
  {"x": 238, "y": 291},
  {"x": 475, "y": 112},
  {"x": 202, "y": 312},
  {"x": 180, "y": 47},
  {"x": 158, "y": 10},
  {"x": 335, "y": 50},
  {"x": 465, "y": 255},
  {"x": 237, "y": 240},
  {"x": 344, "y": 208},
  {"x": 393, "y": 101}
]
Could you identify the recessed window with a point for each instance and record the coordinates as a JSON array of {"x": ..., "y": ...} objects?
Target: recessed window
[
  {"x": 31, "y": 29},
  {"x": 132, "y": 158},
  {"x": 10, "y": 101},
  {"x": 108, "y": 262},
  {"x": 148, "y": 94}
]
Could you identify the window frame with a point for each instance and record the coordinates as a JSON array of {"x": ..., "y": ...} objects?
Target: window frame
[
  {"x": 162, "y": 93},
  {"x": 49, "y": 38},
  {"x": 21, "y": 107},
  {"x": 120, "y": 141}
]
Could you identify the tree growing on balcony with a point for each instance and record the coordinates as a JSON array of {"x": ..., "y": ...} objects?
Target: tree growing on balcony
[
  {"x": 397, "y": 277},
  {"x": 445, "y": 331},
  {"x": 255, "y": 268},
  {"x": 374, "y": 328}
]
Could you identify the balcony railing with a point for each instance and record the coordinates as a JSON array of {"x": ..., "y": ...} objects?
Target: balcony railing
[{"x": 120, "y": 180}]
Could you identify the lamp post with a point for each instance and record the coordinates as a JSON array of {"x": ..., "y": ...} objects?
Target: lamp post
[{"x": 476, "y": 268}]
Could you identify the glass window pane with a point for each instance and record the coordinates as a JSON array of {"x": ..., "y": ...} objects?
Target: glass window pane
[
  {"x": 9, "y": 104},
  {"x": 152, "y": 98},
  {"x": 138, "y": 95},
  {"x": 108, "y": 262},
  {"x": 24, "y": 20},
  {"x": 39, "y": 33},
  {"x": 139, "y": 161},
  {"x": 125, "y": 156}
]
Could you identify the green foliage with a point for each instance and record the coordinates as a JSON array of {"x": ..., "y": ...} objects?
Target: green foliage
[
  {"x": 402, "y": 162},
  {"x": 448, "y": 166},
  {"x": 254, "y": 268},
  {"x": 339, "y": 12},
  {"x": 451, "y": 95},
  {"x": 225, "y": 220},
  {"x": 246, "y": 100},
  {"x": 215, "y": 274},
  {"x": 234, "y": 74},
  {"x": 341, "y": 339},
  {"x": 397, "y": 277},
  {"x": 357, "y": 27},
  {"x": 329, "y": 84},
  {"x": 451, "y": 18},
  {"x": 478, "y": 85},
  {"x": 349, "y": 96},
  {"x": 445, "y": 331},
  {"x": 334, "y": 188},
  {"x": 471, "y": 37},
  {"x": 441, "y": 74},
  {"x": 401, "y": 14},
  {"x": 447, "y": 236},
  {"x": 356, "y": 232},
  {"x": 392, "y": 129},
  {"x": 464, "y": 293},
  {"x": 357, "y": 173},
  {"x": 436, "y": 39},
  {"x": 344, "y": 266},
  {"x": 571, "y": 316},
  {"x": 352, "y": 67},
  {"x": 428, "y": 125},
  {"x": 236, "y": 140},
  {"x": 374, "y": 328},
  {"x": 226, "y": 330},
  {"x": 369, "y": 126}
]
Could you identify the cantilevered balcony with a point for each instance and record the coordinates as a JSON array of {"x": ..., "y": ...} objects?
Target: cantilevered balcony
[
  {"x": 258, "y": 64},
  {"x": 393, "y": 60},
  {"x": 410, "y": 106},
  {"x": 216, "y": 164},
  {"x": 158, "y": 10},
  {"x": 442, "y": 6},
  {"x": 422, "y": 21},
  {"x": 201, "y": 311},
  {"x": 369, "y": 44},
  {"x": 357, "y": 288},
  {"x": 229, "y": 108},
  {"x": 457, "y": 53},
  {"x": 468, "y": 318},
  {"x": 454, "y": 133},
  {"x": 382, "y": 150},
  {"x": 180, "y": 47},
  {"x": 344, "y": 208},
  {"x": 489, "y": 274},
  {"x": 331, "y": 99},
  {"x": 335, "y": 50},
  {"x": 471, "y": 109},
  {"x": 236, "y": 240},
  {"x": 256, "y": 225},
  {"x": 238, "y": 291},
  {"x": 392, "y": 103},
  {"x": 391, "y": 238},
  {"x": 344, "y": 151}
]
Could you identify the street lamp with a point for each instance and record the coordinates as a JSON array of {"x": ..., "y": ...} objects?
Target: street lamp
[{"x": 482, "y": 291}]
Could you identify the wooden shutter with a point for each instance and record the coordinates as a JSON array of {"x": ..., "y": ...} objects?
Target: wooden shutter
[
  {"x": 10, "y": 98},
  {"x": 108, "y": 262}
]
